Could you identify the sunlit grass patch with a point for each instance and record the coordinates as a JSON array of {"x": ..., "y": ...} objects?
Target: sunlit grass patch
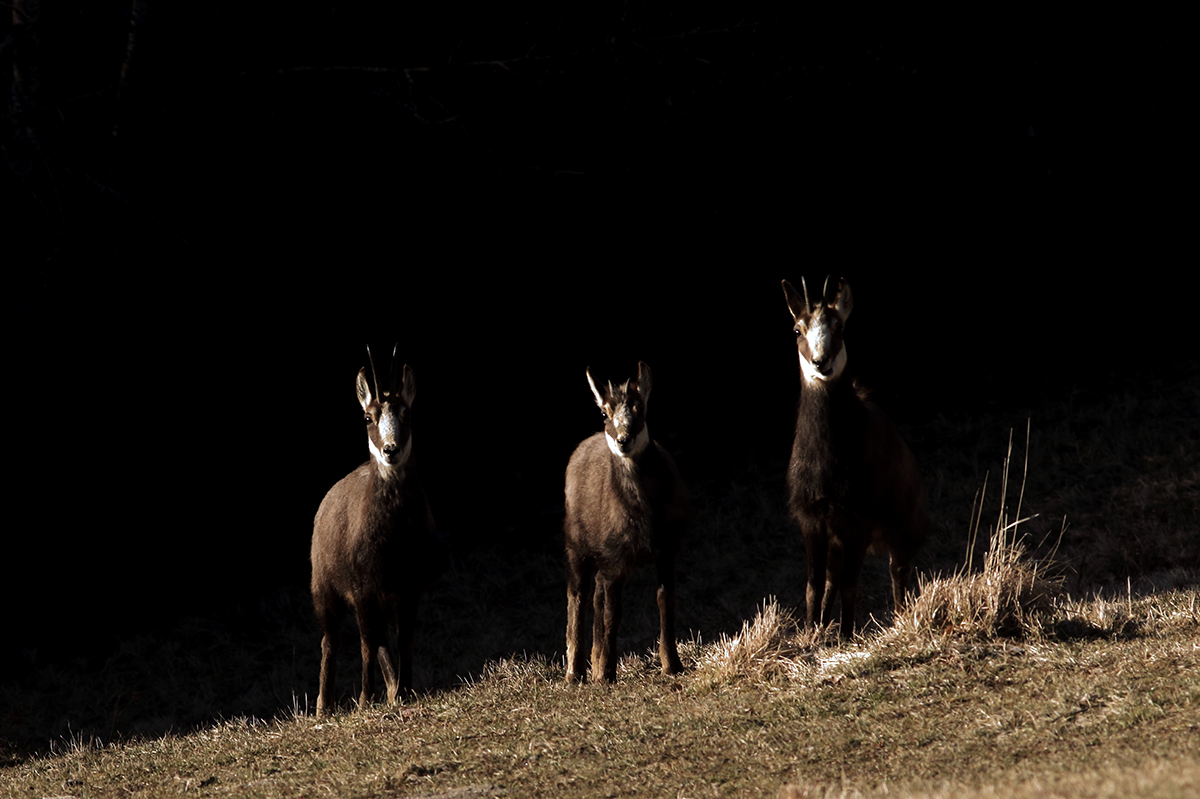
[{"x": 771, "y": 647}]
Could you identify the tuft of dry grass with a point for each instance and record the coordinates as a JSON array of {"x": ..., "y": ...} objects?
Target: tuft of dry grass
[
  {"x": 1010, "y": 596},
  {"x": 770, "y": 648}
]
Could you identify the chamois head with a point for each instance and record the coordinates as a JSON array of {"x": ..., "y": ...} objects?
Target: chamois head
[
  {"x": 818, "y": 328},
  {"x": 624, "y": 410},
  {"x": 387, "y": 413}
]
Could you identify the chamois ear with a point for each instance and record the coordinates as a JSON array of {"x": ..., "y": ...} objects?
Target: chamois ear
[
  {"x": 363, "y": 387},
  {"x": 843, "y": 300},
  {"x": 796, "y": 304},
  {"x": 595, "y": 391},
  {"x": 644, "y": 382},
  {"x": 408, "y": 387}
]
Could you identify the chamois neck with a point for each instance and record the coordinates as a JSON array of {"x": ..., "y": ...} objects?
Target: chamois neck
[
  {"x": 823, "y": 392},
  {"x": 387, "y": 477},
  {"x": 823, "y": 413}
]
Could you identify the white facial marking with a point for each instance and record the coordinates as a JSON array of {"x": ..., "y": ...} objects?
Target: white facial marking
[
  {"x": 388, "y": 431},
  {"x": 387, "y": 428},
  {"x": 376, "y": 454},
  {"x": 819, "y": 341}
]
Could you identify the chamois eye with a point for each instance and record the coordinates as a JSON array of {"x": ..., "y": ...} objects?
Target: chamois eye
[{"x": 367, "y": 418}]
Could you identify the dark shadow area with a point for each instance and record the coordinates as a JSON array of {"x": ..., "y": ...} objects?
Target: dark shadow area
[{"x": 209, "y": 212}]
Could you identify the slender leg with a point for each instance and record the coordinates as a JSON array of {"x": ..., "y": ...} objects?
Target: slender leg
[
  {"x": 607, "y": 607},
  {"x": 599, "y": 603},
  {"x": 816, "y": 545},
  {"x": 329, "y": 614},
  {"x": 901, "y": 573},
  {"x": 406, "y": 617},
  {"x": 368, "y": 643},
  {"x": 668, "y": 655},
  {"x": 384, "y": 656},
  {"x": 328, "y": 672},
  {"x": 577, "y": 579},
  {"x": 834, "y": 570}
]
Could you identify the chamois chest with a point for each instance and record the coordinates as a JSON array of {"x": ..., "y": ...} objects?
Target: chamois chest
[
  {"x": 623, "y": 509},
  {"x": 827, "y": 453}
]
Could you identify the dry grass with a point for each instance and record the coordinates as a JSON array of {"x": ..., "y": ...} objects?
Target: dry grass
[
  {"x": 994, "y": 681},
  {"x": 1009, "y": 596},
  {"x": 770, "y": 649},
  {"x": 1112, "y": 713}
]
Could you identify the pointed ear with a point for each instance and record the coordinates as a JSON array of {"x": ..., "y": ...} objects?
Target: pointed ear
[
  {"x": 644, "y": 381},
  {"x": 844, "y": 301},
  {"x": 796, "y": 303},
  {"x": 595, "y": 392},
  {"x": 363, "y": 387},
  {"x": 408, "y": 388}
]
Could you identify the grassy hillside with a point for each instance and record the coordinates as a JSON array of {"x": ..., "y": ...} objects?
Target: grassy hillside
[{"x": 1044, "y": 660}]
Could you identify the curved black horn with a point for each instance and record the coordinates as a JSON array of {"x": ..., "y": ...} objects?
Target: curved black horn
[
  {"x": 830, "y": 297},
  {"x": 374, "y": 376},
  {"x": 393, "y": 379},
  {"x": 804, "y": 286}
]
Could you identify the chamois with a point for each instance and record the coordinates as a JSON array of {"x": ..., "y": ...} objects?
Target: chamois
[
  {"x": 853, "y": 484},
  {"x": 626, "y": 505},
  {"x": 372, "y": 543}
]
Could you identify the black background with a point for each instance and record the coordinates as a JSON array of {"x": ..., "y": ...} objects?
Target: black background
[{"x": 195, "y": 257}]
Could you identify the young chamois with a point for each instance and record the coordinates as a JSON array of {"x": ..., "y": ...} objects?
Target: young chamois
[
  {"x": 625, "y": 505},
  {"x": 853, "y": 484},
  {"x": 371, "y": 544}
]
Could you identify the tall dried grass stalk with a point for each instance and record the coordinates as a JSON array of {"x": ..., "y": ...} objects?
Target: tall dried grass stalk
[{"x": 1011, "y": 596}]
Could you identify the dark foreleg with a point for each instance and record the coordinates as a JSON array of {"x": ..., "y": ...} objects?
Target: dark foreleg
[
  {"x": 330, "y": 615},
  {"x": 816, "y": 545},
  {"x": 668, "y": 655},
  {"x": 607, "y": 608},
  {"x": 373, "y": 642},
  {"x": 406, "y": 623},
  {"x": 835, "y": 563},
  {"x": 901, "y": 574},
  {"x": 577, "y": 579}
]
